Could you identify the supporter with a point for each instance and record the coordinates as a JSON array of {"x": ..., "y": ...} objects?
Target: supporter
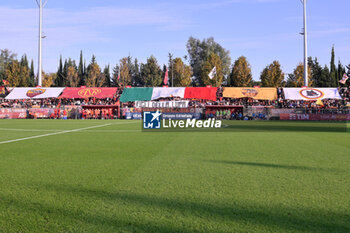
[
  {"x": 64, "y": 114},
  {"x": 73, "y": 108}
]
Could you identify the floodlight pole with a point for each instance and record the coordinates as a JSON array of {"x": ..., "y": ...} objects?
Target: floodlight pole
[
  {"x": 304, "y": 33},
  {"x": 41, "y": 5}
]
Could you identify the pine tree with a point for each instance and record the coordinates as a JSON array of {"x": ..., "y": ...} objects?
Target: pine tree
[
  {"x": 94, "y": 77},
  {"x": 171, "y": 69},
  {"x": 32, "y": 74},
  {"x": 163, "y": 75},
  {"x": 325, "y": 80},
  {"x": 115, "y": 81},
  {"x": 333, "y": 72},
  {"x": 272, "y": 75},
  {"x": 124, "y": 68},
  {"x": 107, "y": 76},
  {"x": 241, "y": 75},
  {"x": 25, "y": 79},
  {"x": 59, "y": 77},
  {"x": 72, "y": 76},
  {"x": 24, "y": 61},
  {"x": 151, "y": 72},
  {"x": 81, "y": 71},
  {"x": 65, "y": 73},
  {"x": 316, "y": 72},
  {"x": 297, "y": 78},
  {"x": 135, "y": 74},
  {"x": 48, "y": 79},
  {"x": 13, "y": 73},
  {"x": 182, "y": 73}
]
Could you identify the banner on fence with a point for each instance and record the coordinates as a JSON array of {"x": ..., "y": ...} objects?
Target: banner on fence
[
  {"x": 201, "y": 93},
  {"x": 315, "y": 117},
  {"x": 22, "y": 113},
  {"x": 12, "y": 113},
  {"x": 162, "y": 104},
  {"x": 87, "y": 92},
  {"x": 159, "y": 92},
  {"x": 19, "y": 93},
  {"x": 150, "y": 93},
  {"x": 247, "y": 92},
  {"x": 311, "y": 93}
]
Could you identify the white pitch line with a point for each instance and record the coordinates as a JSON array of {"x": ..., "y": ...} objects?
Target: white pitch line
[
  {"x": 58, "y": 130},
  {"x": 30, "y": 130},
  {"x": 113, "y": 131},
  {"x": 51, "y": 134}
]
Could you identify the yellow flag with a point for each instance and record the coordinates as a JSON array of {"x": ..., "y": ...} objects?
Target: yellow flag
[{"x": 319, "y": 102}]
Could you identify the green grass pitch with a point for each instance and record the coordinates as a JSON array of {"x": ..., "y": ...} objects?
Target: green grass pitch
[{"x": 75, "y": 177}]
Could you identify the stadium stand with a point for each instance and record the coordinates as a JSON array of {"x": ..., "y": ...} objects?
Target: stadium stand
[{"x": 200, "y": 102}]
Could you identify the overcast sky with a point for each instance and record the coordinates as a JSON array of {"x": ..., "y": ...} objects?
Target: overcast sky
[{"x": 261, "y": 30}]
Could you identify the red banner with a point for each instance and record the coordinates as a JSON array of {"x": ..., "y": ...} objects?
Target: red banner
[
  {"x": 22, "y": 113},
  {"x": 204, "y": 93},
  {"x": 12, "y": 113},
  {"x": 83, "y": 93},
  {"x": 314, "y": 117}
]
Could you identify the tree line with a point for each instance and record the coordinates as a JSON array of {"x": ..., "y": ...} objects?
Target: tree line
[{"x": 191, "y": 70}]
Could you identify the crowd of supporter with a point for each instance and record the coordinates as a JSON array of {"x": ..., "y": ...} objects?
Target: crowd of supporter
[
  {"x": 281, "y": 102},
  {"x": 54, "y": 102}
]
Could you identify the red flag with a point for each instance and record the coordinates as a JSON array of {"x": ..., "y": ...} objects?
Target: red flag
[
  {"x": 6, "y": 83},
  {"x": 166, "y": 77},
  {"x": 118, "y": 76}
]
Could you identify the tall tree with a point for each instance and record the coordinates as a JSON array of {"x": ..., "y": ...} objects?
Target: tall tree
[
  {"x": 48, "y": 79},
  {"x": 333, "y": 72},
  {"x": 115, "y": 76},
  {"x": 297, "y": 78},
  {"x": 6, "y": 57},
  {"x": 24, "y": 61},
  {"x": 94, "y": 76},
  {"x": 212, "y": 61},
  {"x": 324, "y": 80},
  {"x": 13, "y": 73},
  {"x": 107, "y": 76},
  {"x": 59, "y": 81},
  {"x": 25, "y": 80},
  {"x": 199, "y": 52},
  {"x": 316, "y": 73},
  {"x": 135, "y": 74},
  {"x": 272, "y": 75},
  {"x": 125, "y": 73},
  {"x": 72, "y": 77},
  {"x": 32, "y": 74},
  {"x": 171, "y": 69},
  {"x": 81, "y": 70},
  {"x": 151, "y": 73},
  {"x": 16, "y": 74},
  {"x": 163, "y": 74},
  {"x": 181, "y": 72},
  {"x": 241, "y": 75}
]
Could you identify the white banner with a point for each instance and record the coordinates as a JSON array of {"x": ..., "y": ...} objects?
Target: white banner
[
  {"x": 165, "y": 92},
  {"x": 311, "y": 93},
  {"x": 34, "y": 93},
  {"x": 162, "y": 104}
]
